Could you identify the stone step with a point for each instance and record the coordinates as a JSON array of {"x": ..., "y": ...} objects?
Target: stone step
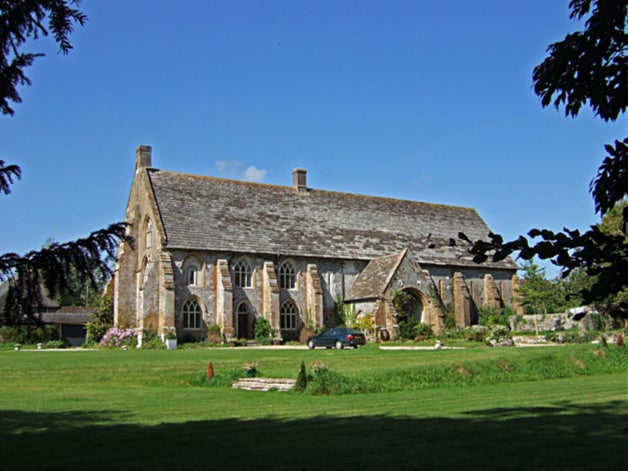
[{"x": 264, "y": 384}]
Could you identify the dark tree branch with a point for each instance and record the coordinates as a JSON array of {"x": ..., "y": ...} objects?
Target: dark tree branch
[
  {"x": 56, "y": 265},
  {"x": 24, "y": 19},
  {"x": 588, "y": 67},
  {"x": 7, "y": 174},
  {"x": 603, "y": 256},
  {"x": 611, "y": 183},
  {"x": 53, "y": 266}
]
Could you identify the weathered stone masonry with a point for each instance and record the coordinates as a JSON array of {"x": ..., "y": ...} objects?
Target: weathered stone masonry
[{"x": 211, "y": 251}]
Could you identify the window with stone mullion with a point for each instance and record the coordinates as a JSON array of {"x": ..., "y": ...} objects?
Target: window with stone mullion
[
  {"x": 191, "y": 315},
  {"x": 288, "y": 316},
  {"x": 287, "y": 276},
  {"x": 242, "y": 274}
]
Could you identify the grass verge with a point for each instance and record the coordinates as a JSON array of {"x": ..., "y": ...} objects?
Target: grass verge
[{"x": 141, "y": 409}]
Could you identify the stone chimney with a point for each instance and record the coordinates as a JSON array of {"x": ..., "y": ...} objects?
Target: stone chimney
[
  {"x": 143, "y": 157},
  {"x": 299, "y": 179}
]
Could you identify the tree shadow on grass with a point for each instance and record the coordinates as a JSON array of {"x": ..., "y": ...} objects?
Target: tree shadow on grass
[{"x": 566, "y": 436}]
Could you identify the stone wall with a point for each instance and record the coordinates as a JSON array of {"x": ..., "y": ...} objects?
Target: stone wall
[{"x": 542, "y": 322}]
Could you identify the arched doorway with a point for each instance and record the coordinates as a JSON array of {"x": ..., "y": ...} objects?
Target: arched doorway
[
  {"x": 414, "y": 310},
  {"x": 244, "y": 321}
]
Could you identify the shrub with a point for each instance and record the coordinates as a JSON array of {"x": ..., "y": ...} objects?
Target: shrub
[
  {"x": 263, "y": 331},
  {"x": 192, "y": 337},
  {"x": 95, "y": 331},
  {"x": 54, "y": 344},
  {"x": 402, "y": 302},
  {"x": 28, "y": 334},
  {"x": 89, "y": 344},
  {"x": 423, "y": 331},
  {"x": 152, "y": 341},
  {"x": 407, "y": 329},
  {"x": 318, "y": 366},
  {"x": 595, "y": 321},
  {"x": 327, "y": 382},
  {"x": 339, "y": 311},
  {"x": 301, "y": 382},
  {"x": 7, "y": 334},
  {"x": 449, "y": 317},
  {"x": 364, "y": 322},
  {"x": 250, "y": 368},
  {"x": 344, "y": 313},
  {"x": 570, "y": 336},
  {"x": 213, "y": 334},
  {"x": 115, "y": 338},
  {"x": 490, "y": 316},
  {"x": 475, "y": 333},
  {"x": 498, "y": 334},
  {"x": 101, "y": 320}
]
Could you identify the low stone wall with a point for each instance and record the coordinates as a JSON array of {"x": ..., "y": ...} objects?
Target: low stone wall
[
  {"x": 582, "y": 318},
  {"x": 542, "y": 322}
]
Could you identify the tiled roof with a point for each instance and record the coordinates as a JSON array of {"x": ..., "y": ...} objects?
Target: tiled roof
[
  {"x": 207, "y": 213},
  {"x": 68, "y": 315},
  {"x": 46, "y": 301},
  {"x": 374, "y": 279}
]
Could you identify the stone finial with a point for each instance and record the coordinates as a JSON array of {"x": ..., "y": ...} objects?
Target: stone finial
[
  {"x": 143, "y": 156},
  {"x": 299, "y": 179}
]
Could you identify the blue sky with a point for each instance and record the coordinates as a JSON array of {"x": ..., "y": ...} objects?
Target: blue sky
[{"x": 422, "y": 100}]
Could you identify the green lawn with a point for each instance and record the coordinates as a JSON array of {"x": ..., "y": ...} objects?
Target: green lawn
[{"x": 480, "y": 408}]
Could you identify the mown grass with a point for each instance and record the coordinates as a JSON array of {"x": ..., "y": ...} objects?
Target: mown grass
[{"x": 547, "y": 408}]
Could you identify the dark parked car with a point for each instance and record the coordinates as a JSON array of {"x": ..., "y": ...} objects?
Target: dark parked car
[{"x": 338, "y": 337}]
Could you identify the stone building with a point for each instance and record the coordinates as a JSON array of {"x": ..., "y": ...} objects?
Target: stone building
[{"x": 211, "y": 251}]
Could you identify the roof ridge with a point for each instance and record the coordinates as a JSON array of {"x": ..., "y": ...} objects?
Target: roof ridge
[{"x": 310, "y": 190}]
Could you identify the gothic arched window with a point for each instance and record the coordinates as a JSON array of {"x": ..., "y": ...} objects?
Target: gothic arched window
[
  {"x": 191, "y": 313},
  {"x": 288, "y": 316},
  {"x": 287, "y": 276},
  {"x": 242, "y": 272}
]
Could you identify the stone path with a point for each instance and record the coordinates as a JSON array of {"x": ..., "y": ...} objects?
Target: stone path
[
  {"x": 264, "y": 384},
  {"x": 395, "y": 347}
]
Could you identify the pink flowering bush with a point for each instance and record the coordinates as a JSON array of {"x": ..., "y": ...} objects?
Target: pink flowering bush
[{"x": 115, "y": 338}]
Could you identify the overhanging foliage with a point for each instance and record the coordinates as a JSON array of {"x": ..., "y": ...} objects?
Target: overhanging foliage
[{"x": 588, "y": 67}]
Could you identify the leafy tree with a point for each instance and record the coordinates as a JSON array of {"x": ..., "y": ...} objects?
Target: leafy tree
[
  {"x": 75, "y": 293},
  {"x": 22, "y": 21},
  {"x": 101, "y": 320},
  {"x": 263, "y": 331},
  {"x": 573, "y": 285},
  {"x": 613, "y": 224},
  {"x": 586, "y": 68},
  {"x": 78, "y": 293},
  {"x": 54, "y": 267},
  {"x": 538, "y": 294}
]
